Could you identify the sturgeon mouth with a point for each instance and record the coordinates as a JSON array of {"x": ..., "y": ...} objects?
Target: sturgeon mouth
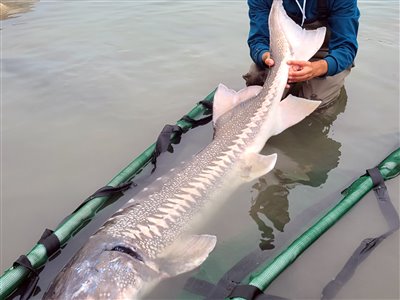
[{"x": 128, "y": 251}]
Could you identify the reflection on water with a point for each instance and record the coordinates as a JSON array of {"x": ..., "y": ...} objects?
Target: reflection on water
[
  {"x": 307, "y": 162},
  {"x": 11, "y": 8}
]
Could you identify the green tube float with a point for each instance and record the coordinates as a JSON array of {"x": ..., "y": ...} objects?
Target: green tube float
[
  {"x": 389, "y": 168},
  {"x": 16, "y": 275}
]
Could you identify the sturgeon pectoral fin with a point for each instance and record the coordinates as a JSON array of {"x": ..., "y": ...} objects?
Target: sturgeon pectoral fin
[
  {"x": 225, "y": 99},
  {"x": 255, "y": 165},
  {"x": 291, "y": 111},
  {"x": 186, "y": 254}
]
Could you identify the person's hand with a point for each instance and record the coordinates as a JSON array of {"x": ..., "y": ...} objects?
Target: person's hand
[
  {"x": 267, "y": 59},
  {"x": 305, "y": 70}
]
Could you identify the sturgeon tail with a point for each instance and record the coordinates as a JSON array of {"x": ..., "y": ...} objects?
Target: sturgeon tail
[{"x": 303, "y": 43}]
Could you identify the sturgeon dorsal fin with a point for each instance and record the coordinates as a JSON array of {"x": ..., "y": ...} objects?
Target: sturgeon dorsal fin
[
  {"x": 186, "y": 254},
  {"x": 225, "y": 99}
]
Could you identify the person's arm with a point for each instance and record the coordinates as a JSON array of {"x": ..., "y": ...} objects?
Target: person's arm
[
  {"x": 258, "y": 39},
  {"x": 343, "y": 22}
]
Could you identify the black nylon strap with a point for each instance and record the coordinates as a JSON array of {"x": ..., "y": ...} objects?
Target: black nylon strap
[
  {"x": 196, "y": 123},
  {"x": 367, "y": 245},
  {"x": 164, "y": 144},
  {"x": 163, "y": 141},
  {"x": 50, "y": 241},
  {"x": 52, "y": 244},
  {"x": 225, "y": 286},
  {"x": 237, "y": 274},
  {"x": 206, "y": 104},
  {"x": 202, "y": 288},
  {"x": 32, "y": 280},
  {"x": 23, "y": 261},
  {"x": 376, "y": 176},
  {"x": 251, "y": 292},
  {"x": 246, "y": 292},
  {"x": 106, "y": 191}
]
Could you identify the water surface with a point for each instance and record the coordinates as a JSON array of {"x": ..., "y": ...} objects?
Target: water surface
[{"x": 88, "y": 85}]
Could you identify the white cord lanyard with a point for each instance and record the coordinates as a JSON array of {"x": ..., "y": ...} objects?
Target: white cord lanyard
[{"x": 303, "y": 10}]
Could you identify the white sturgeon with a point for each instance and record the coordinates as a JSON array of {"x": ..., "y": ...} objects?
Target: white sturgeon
[{"x": 148, "y": 239}]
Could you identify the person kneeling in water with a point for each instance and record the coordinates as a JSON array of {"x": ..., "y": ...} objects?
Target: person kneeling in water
[{"x": 321, "y": 78}]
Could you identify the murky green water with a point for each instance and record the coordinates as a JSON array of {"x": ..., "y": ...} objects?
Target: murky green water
[{"x": 87, "y": 86}]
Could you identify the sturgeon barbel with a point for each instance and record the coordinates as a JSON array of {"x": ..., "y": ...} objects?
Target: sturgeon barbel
[{"x": 148, "y": 240}]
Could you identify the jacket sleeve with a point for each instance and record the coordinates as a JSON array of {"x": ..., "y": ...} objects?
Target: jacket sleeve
[
  {"x": 258, "y": 39},
  {"x": 343, "y": 23}
]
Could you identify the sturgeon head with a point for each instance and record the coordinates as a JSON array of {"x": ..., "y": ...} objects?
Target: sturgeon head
[
  {"x": 147, "y": 240},
  {"x": 87, "y": 275},
  {"x": 112, "y": 268}
]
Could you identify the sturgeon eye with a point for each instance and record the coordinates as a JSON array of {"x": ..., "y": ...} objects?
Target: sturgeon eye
[{"x": 128, "y": 251}]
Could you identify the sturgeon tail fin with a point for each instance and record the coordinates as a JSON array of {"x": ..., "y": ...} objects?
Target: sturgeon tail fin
[{"x": 303, "y": 43}]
